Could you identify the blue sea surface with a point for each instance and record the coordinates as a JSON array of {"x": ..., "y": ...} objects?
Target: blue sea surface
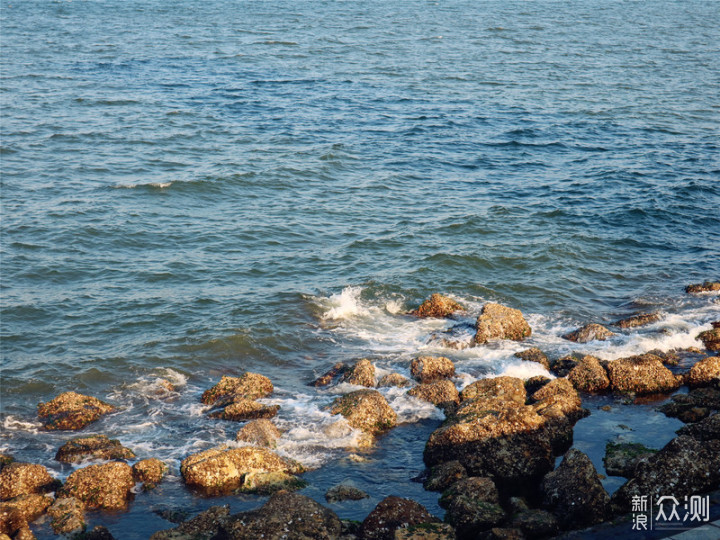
[{"x": 192, "y": 189}]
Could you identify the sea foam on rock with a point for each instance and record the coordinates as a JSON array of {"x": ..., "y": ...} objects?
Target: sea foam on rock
[
  {"x": 711, "y": 338},
  {"x": 635, "y": 321},
  {"x": 708, "y": 286},
  {"x": 437, "y": 306},
  {"x": 361, "y": 374},
  {"x": 534, "y": 355},
  {"x": 442, "y": 394},
  {"x": 260, "y": 432},
  {"x": 500, "y": 322},
  {"x": 72, "y": 411},
  {"x": 366, "y": 410},
  {"x": 589, "y": 332}
]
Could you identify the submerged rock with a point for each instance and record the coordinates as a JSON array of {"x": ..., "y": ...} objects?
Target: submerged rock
[
  {"x": 708, "y": 286},
  {"x": 711, "y": 338},
  {"x": 366, "y": 410},
  {"x": 17, "y": 513},
  {"x": 150, "y": 472},
  {"x": 344, "y": 492},
  {"x": 223, "y": 470},
  {"x": 361, "y": 374},
  {"x": 391, "y": 514},
  {"x": 443, "y": 476},
  {"x": 501, "y": 322},
  {"x": 107, "y": 486},
  {"x": 589, "y": 332},
  {"x": 247, "y": 386},
  {"x": 72, "y": 411},
  {"x": 327, "y": 378},
  {"x": 428, "y": 369},
  {"x": 19, "y": 478},
  {"x": 638, "y": 320},
  {"x": 437, "y": 306},
  {"x": 644, "y": 374},
  {"x": 204, "y": 526},
  {"x": 284, "y": 515},
  {"x": 92, "y": 447},
  {"x": 67, "y": 514},
  {"x": 260, "y": 432},
  {"x": 534, "y": 355},
  {"x": 245, "y": 409},
  {"x": 706, "y": 372},
  {"x": 574, "y": 493},
  {"x": 589, "y": 376},
  {"x": 442, "y": 394},
  {"x": 393, "y": 379},
  {"x": 622, "y": 458}
]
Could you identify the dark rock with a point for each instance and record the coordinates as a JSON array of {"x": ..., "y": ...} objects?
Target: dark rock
[
  {"x": 708, "y": 286},
  {"x": 622, "y": 458},
  {"x": 92, "y": 447},
  {"x": 344, "y": 492},
  {"x": 150, "y": 472},
  {"x": 72, "y": 411},
  {"x": 533, "y": 384},
  {"x": 393, "y": 513},
  {"x": 437, "y": 306},
  {"x": 470, "y": 517},
  {"x": 501, "y": 322},
  {"x": 534, "y": 355},
  {"x": 563, "y": 366},
  {"x": 694, "y": 406},
  {"x": 260, "y": 432},
  {"x": 426, "y": 531},
  {"x": 502, "y": 533},
  {"x": 427, "y": 369},
  {"x": 246, "y": 409},
  {"x": 442, "y": 476},
  {"x": 589, "y": 376},
  {"x": 5, "y": 459},
  {"x": 638, "y": 320},
  {"x": 173, "y": 515},
  {"x": 589, "y": 332},
  {"x": 327, "y": 378},
  {"x": 644, "y": 374},
  {"x": 573, "y": 492},
  {"x": 443, "y": 394},
  {"x": 107, "y": 486},
  {"x": 393, "y": 379},
  {"x": 366, "y": 410},
  {"x": 711, "y": 338},
  {"x": 98, "y": 533},
  {"x": 503, "y": 388},
  {"x": 67, "y": 515},
  {"x": 361, "y": 374},
  {"x": 536, "y": 523},
  {"x": 204, "y": 526},
  {"x": 285, "y": 515},
  {"x": 25, "y": 479},
  {"x": 705, "y": 373},
  {"x": 707, "y": 430},
  {"x": 247, "y": 386},
  {"x": 476, "y": 487}
]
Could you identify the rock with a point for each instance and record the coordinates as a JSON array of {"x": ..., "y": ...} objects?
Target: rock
[
  {"x": 684, "y": 467},
  {"x": 361, "y": 374},
  {"x": 344, "y": 492},
  {"x": 442, "y": 394},
  {"x": 573, "y": 492},
  {"x": 437, "y": 306},
  {"x": 502, "y": 533},
  {"x": 563, "y": 366},
  {"x": 644, "y": 374},
  {"x": 442, "y": 476},
  {"x": 393, "y": 513},
  {"x": 245, "y": 409},
  {"x": 638, "y": 320},
  {"x": 589, "y": 376},
  {"x": 393, "y": 379},
  {"x": 534, "y": 355},
  {"x": 223, "y": 470},
  {"x": 533, "y": 384},
  {"x": 285, "y": 515},
  {"x": 706, "y": 372},
  {"x": 247, "y": 386},
  {"x": 204, "y": 526},
  {"x": 98, "y": 533},
  {"x": 366, "y": 410},
  {"x": 5, "y": 459},
  {"x": 150, "y": 472},
  {"x": 72, "y": 411},
  {"x": 536, "y": 523},
  {"x": 107, "y": 486},
  {"x": 589, "y": 332},
  {"x": 334, "y": 373},
  {"x": 708, "y": 286},
  {"x": 622, "y": 458},
  {"x": 426, "y": 531},
  {"x": 67, "y": 515},
  {"x": 260, "y": 432},
  {"x": 503, "y": 388},
  {"x": 25, "y": 479},
  {"x": 427, "y": 369},
  {"x": 500, "y": 322},
  {"x": 25, "y": 534},
  {"x": 710, "y": 338},
  {"x": 17, "y": 513},
  {"x": 477, "y": 488},
  {"x": 706, "y": 430},
  {"x": 558, "y": 398},
  {"x": 92, "y": 447},
  {"x": 471, "y": 516},
  {"x": 694, "y": 406}
]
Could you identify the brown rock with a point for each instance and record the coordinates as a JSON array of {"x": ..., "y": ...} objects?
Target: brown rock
[
  {"x": 393, "y": 513},
  {"x": 443, "y": 394},
  {"x": 711, "y": 339},
  {"x": 344, "y": 492},
  {"x": 443, "y": 476},
  {"x": 25, "y": 534},
  {"x": 16, "y": 513},
  {"x": 534, "y": 355},
  {"x": 223, "y": 470},
  {"x": 72, "y": 411},
  {"x": 331, "y": 375},
  {"x": 560, "y": 406},
  {"x": 638, "y": 320},
  {"x": 427, "y": 369},
  {"x": 259, "y": 433},
  {"x": 106, "y": 486},
  {"x": 437, "y": 306},
  {"x": 622, "y": 458},
  {"x": 708, "y": 286},
  {"x": 705, "y": 373},
  {"x": 366, "y": 410},
  {"x": 245, "y": 409},
  {"x": 285, "y": 515},
  {"x": 202, "y": 527},
  {"x": 25, "y": 479},
  {"x": 92, "y": 447},
  {"x": 361, "y": 374},
  {"x": 589, "y": 376},
  {"x": 393, "y": 379},
  {"x": 500, "y": 322},
  {"x": 574, "y": 493},
  {"x": 150, "y": 472},
  {"x": 67, "y": 515},
  {"x": 503, "y": 388},
  {"x": 589, "y": 332},
  {"x": 643, "y": 374},
  {"x": 247, "y": 386}
]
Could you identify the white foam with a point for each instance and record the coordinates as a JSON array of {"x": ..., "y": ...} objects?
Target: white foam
[
  {"x": 524, "y": 370},
  {"x": 344, "y": 305},
  {"x": 12, "y": 423}
]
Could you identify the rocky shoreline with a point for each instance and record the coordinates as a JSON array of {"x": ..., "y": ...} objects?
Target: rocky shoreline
[{"x": 492, "y": 461}]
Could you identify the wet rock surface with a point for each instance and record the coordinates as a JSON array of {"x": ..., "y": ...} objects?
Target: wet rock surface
[
  {"x": 643, "y": 374},
  {"x": 472, "y": 506},
  {"x": 711, "y": 338},
  {"x": 622, "y": 458},
  {"x": 706, "y": 372},
  {"x": 501, "y": 322},
  {"x": 72, "y": 411},
  {"x": 442, "y": 394},
  {"x": 260, "y": 432},
  {"x": 635, "y": 321},
  {"x": 92, "y": 447},
  {"x": 67, "y": 515},
  {"x": 248, "y": 386},
  {"x": 437, "y": 306},
  {"x": 536, "y": 523},
  {"x": 533, "y": 384},
  {"x": 107, "y": 486},
  {"x": 693, "y": 406},
  {"x": 243, "y": 409},
  {"x": 330, "y": 376},
  {"x": 361, "y": 374},
  {"x": 366, "y": 410},
  {"x": 503, "y": 388},
  {"x": 442, "y": 476},
  {"x": 534, "y": 355},
  {"x": 17, "y": 513},
  {"x": 204, "y": 526},
  {"x": 344, "y": 492},
  {"x": 589, "y": 376},
  {"x": 150, "y": 472},
  {"x": 393, "y": 379},
  {"x": 563, "y": 366},
  {"x": 589, "y": 332},
  {"x": 706, "y": 430},
  {"x": 428, "y": 369},
  {"x": 708, "y": 286},
  {"x": 477, "y": 488},
  {"x": 391, "y": 514},
  {"x": 19, "y": 478}
]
